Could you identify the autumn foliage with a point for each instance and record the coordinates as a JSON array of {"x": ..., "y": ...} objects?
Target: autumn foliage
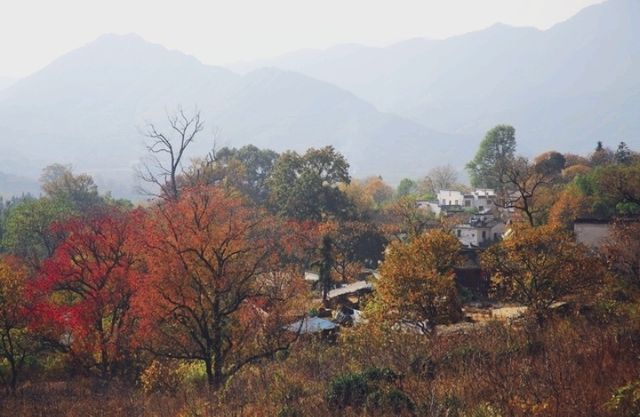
[
  {"x": 185, "y": 305},
  {"x": 540, "y": 266},
  {"x": 417, "y": 286},
  {"x": 83, "y": 295},
  {"x": 217, "y": 287}
]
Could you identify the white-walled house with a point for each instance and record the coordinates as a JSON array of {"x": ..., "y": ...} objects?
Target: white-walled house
[
  {"x": 450, "y": 198},
  {"x": 480, "y": 199},
  {"x": 480, "y": 231}
]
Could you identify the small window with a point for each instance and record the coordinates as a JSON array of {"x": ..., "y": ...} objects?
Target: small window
[
  {"x": 484, "y": 234},
  {"x": 481, "y": 208},
  {"x": 459, "y": 232},
  {"x": 467, "y": 203}
]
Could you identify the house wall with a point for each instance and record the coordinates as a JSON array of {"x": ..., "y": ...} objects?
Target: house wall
[
  {"x": 498, "y": 230},
  {"x": 592, "y": 234},
  {"x": 473, "y": 235},
  {"x": 450, "y": 197}
]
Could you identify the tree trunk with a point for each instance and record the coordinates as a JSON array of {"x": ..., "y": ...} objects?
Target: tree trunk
[
  {"x": 13, "y": 381},
  {"x": 208, "y": 365}
]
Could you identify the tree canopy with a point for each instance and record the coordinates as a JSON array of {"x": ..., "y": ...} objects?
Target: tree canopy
[{"x": 496, "y": 149}]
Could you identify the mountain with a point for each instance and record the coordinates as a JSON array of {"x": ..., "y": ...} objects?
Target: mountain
[
  {"x": 89, "y": 106},
  {"x": 394, "y": 111},
  {"x": 5, "y": 81},
  {"x": 567, "y": 87}
]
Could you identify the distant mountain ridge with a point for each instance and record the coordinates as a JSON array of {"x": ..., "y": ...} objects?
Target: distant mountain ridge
[
  {"x": 88, "y": 106},
  {"x": 567, "y": 86},
  {"x": 395, "y": 111}
]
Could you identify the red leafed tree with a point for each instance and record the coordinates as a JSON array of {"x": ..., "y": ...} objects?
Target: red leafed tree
[
  {"x": 84, "y": 291},
  {"x": 217, "y": 289}
]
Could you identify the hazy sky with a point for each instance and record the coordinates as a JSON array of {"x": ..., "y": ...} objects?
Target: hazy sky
[{"x": 34, "y": 32}]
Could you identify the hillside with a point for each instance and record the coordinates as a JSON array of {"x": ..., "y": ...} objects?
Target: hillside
[
  {"x": 88, "y": 107},
  {"x": 565, "y": 87}
]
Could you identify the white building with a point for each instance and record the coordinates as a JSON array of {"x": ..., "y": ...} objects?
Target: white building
[
  {"x": 481, "y": 199},
  {"x": 480, "y": 231},
  {"x": 450, "y": 198}
]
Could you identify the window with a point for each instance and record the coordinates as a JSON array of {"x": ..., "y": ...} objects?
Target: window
[
  {"x": 459, "y": 232},
  {"x": 456, "y": 202},
  {"x": 467, "y": 203},
  {"x": 484, "y": 234},
  {"x": 481, "y": 208}
]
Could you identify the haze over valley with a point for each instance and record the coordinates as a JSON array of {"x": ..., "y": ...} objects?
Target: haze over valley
[{"x": 394, "y": 111}]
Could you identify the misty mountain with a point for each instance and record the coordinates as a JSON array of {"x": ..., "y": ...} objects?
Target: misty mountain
[
  {"x": 90, "y": 106},
  {"x": 565, "y": 87},
  {"x": 5, "y": 81}
]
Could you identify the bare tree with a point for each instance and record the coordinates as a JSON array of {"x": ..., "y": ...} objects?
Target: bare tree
[
  {"x": 522, "y": 183},
  {"x": 166, "y": 151},
  {"x": 442, "y": 177}
]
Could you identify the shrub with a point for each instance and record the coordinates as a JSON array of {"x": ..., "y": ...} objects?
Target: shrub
[{"x": 348, "y": 390}]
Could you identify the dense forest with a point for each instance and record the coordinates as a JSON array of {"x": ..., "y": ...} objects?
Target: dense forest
[{"x": 195, "y": 302}]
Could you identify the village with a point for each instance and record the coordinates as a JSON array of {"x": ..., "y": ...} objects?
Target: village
[{"x": 478, "y": 222}]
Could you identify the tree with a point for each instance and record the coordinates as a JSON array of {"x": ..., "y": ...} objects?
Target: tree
[
  {"x": 551, "y": 163},
  {"x": 404, "y": 217},
  {"x": 217, "y": 289},
  {"x": 602, "y": 156},
  {"x": 442, "y": 177},
  {"x": 496, "y": 149},
  {"x": 623, "y": 253},
  {"x": 417, "y": 285},
  {"x": 540, "y": 266},
  {"x": 522, "y": 185},
  {"x": 15, "y": 343},
  {"x": 379, "y": 191},
  {"x": 361, "y": 201},
  {"x": 164, "y": 174},
  {"x": 79, "y": 191},
  {"x": 623, "y": 154},
  {"x": 357, "y": 245},
  {"x": 326, "y": 266},
  {"x": 84, "y": 291},
  {"x": 620, "y": 184},
  {"x": 28, "y": 233},
  {"x": 305, "y": 187},
  {"x": 569, "y": 206},
  {"x": 246, "y": 169},
  {"x": 406, "y": 187}
]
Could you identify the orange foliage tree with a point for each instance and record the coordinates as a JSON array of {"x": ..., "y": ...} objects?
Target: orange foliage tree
[
  {"x": 540, "y": 266},
  {"x": 15, "y": 343},
  {"x": 623, "y": 253},
  {"x": 217, "y": 289},
  {"x": 84, "y": 291},
  {"x": 568, "y": 207},
  {"x": 417, "y": 285}
]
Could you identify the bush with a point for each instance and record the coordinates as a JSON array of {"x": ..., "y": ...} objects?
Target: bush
[
  {"x": 393, "y": 401},
  {"x": 169, "y": 376},
  {"x": 348, "y": 390}
]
